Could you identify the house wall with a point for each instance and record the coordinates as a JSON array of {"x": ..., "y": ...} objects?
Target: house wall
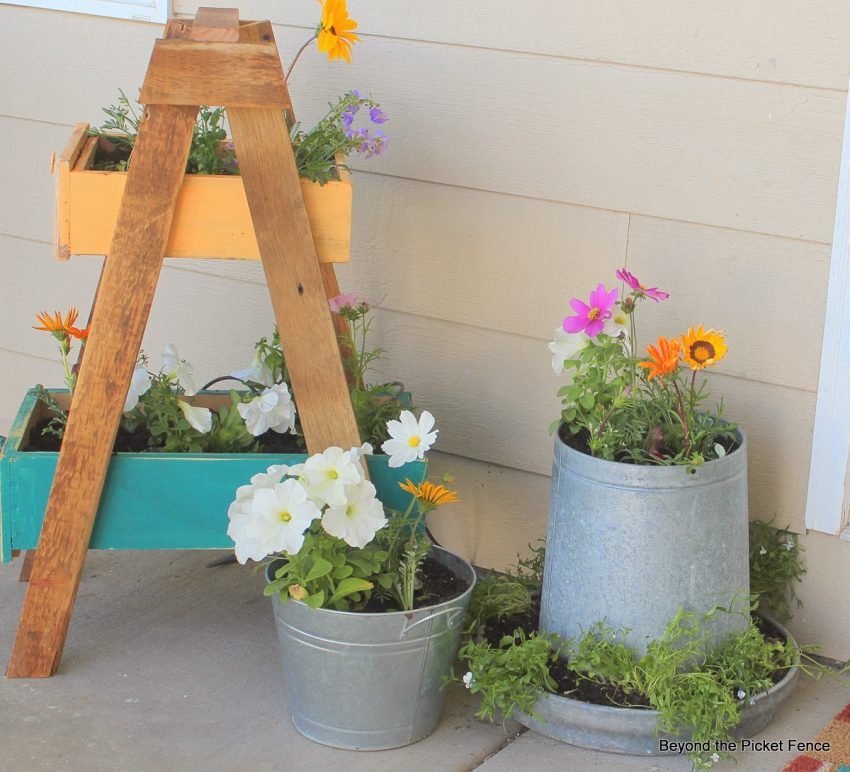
[{"x": 535, "y": 148}]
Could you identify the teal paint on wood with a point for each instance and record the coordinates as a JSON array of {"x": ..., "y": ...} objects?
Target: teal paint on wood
[{"x": 153, "y": 500}]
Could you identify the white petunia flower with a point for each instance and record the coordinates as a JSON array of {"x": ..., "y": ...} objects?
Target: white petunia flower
[
  {"x": 563, "y": 347},
  {"x": 178, "y": 369},
  {"x": 140, "y": 382},
  {"x": 258, "y": 372},
  {"x": 467, "y": 679},
  {"x": 411, "y": 439},
  {"x": 617, "y": 325},
  {"x": 789, "y": 545},
  {"x": 326, "y": 475},
  {"x": 273, "y": 409},
  {"x": 357, "y": 520},
  {"x": 199, "y": 418},
  {"x": 275, "y": 522},
  {"x": 245, "y": 493}
]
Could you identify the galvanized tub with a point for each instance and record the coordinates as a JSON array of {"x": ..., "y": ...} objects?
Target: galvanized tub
[
  {"x": 370, "y": 681},
  {"x": 632, "y": 544},
  {"x": 635, "y": 730}
]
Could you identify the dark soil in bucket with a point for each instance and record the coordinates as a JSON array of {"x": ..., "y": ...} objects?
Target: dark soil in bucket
[
  {"x": 576, "y": 687},
  {"x": 439, "y": 584}
]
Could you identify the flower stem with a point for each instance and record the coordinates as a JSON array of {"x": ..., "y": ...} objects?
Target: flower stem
[{"x": 300, "y": 51}]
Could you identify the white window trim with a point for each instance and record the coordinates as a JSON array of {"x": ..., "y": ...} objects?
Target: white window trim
[
  {"x": 831, "y": 441},
  {"x": 140, "y": 10}
]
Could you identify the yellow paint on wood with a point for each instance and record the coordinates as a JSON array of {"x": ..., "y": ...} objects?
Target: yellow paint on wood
[{"x": 211, "y": 220}]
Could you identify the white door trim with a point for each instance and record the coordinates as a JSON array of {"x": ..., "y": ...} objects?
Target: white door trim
[{"x": 831, "y": 441}]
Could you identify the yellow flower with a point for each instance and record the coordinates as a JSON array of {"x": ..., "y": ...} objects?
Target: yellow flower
[
  {"x": 702, "y": 348},
  {"x": 429, "y": 494},
  {"x": 335, "y": 36},
  {"x": 664, "y": 359},
  {"x": 56, "y": 323}
]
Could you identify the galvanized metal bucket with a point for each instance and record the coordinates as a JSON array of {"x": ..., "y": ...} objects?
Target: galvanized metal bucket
[
  {"x": 633, "y": 544},
  {"x": 370, "y": 681}
]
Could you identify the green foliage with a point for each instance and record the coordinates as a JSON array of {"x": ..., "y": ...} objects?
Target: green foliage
[
  {"x": 496, "y": 597},
  {"x": 328, "y": 573},
  {"x": 315, "y": 149},
  {"x": 509, "y": 677},
  {"x": 59, "y": 418},
  {"x": 160, "y": 414},
  {"x": 776, "y": 563},
  {"x": 208, "y": 153},
  {"x": 228, "y": 433}
]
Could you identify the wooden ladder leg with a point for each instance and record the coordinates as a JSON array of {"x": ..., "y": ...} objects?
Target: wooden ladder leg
[
  {"x": 124, "y": 299},
  {"x": 294, "y": 278}
]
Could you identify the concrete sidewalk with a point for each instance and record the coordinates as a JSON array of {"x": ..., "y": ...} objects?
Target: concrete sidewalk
[{"x": 172, "y": 666}]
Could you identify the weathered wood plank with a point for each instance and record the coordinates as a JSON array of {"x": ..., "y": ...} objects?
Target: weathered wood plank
[
  {"x": 231, "y": 74},
  {"x": 218, "y": 25},
  {"x": 129, "y": 280},
  {"x": 61, "y": 168},
  {"x": 294, "y": 279}
]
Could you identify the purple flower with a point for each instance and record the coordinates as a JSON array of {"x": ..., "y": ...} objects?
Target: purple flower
[
  {"x": 653, "y": 293},
  {"x": 376, "y": 115},
  {"x": 590, "y": 318},
  {"x": 343, "y": 300}
]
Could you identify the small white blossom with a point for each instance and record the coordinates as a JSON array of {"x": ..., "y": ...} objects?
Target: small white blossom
[
  {"x": 715, "y": 757},
  {"x": 789, "y": 545},
  {"x": 762, "y": 551},
  {"x": 326, "y": 475},
  {"x": 178, "y": 369},
  {"x": 199, "y": 418},
  {"x": 357, "y": 520},
  {"x": 617, "y": 325},
  {"x": 258, "y": 372},
  {"x": 273, "y": 409},
  {"x": 563, "y": 347},
  {"x": 410, "y": 439},
  {"x": 275, "y": 521},
  {"x": 467, "y": 679},
  {"x": 740, "y": 694},
  {"x": 140, "y": 382}
]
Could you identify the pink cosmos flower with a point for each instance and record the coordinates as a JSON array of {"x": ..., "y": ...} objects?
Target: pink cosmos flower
[
  {"x": 653, "y": 293},
  {"x": 591, "y": 318},
  {"x": 343, "y": 300}
]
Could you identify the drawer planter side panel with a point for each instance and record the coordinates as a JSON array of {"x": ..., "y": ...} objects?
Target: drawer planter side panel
[{"x": 153, "y": 500}]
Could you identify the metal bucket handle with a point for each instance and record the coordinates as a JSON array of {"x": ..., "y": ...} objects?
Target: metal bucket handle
[{"x": 452, "y": 610}]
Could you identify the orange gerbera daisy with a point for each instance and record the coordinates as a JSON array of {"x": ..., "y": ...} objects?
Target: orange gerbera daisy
[
  {"x": 56, "y": 323},
  {"x": 663, "y": 359},
  {"x": 702, "y": 348},
  {"x": 429, "y": 494},
  {"x": 335, "y": 36}
]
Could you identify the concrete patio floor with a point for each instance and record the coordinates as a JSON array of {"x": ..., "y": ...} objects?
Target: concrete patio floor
[{"x": 172, "y": 666}]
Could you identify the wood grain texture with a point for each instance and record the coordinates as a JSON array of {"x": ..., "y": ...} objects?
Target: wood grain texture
[
  {"x": 231, "y": 74},
  {"x": 294, "y": 278},
  {"x": 61, "y": 169},
  {"x": 777, "y": 41},
  {"x": 127, "y": 289},
  {"x": 216, "y": 25}
]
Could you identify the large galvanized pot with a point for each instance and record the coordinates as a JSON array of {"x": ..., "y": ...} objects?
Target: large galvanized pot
[
  {"x": 632, "y": 544},
  {"x": 370, "y": 681}
]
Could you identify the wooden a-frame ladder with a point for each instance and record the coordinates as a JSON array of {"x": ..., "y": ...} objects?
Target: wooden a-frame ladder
[{"x": 215, "y": 60}]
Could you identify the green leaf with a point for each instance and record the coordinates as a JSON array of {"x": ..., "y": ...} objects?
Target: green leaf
[
  {"x": 315, "y": 600},
  {"x": 343, "y": 572},
  {"x": 587, "y": 400},
  {"x": 349, "y": 586},
  {"x": 320, "y": 568}
]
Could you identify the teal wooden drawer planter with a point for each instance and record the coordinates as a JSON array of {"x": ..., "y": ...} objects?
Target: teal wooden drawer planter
[{"x": 151, "y": 500}]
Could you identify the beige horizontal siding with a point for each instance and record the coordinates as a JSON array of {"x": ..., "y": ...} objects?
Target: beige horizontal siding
[{"x": 784, "y": 41}]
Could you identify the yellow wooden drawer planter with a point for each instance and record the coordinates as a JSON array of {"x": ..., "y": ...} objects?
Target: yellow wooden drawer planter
[{"x": 211, "y": 219}]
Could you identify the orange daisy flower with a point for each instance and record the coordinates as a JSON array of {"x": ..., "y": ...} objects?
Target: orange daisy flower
[
  {"x": 335, "y": 36},
  {"x": 663, "y": 359},
  {"x": 702, "y": 348},
  {"x": 76, "y": 332},
  {"x": 429, "y": 494},
  {"x": 56, "y": 323}
]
